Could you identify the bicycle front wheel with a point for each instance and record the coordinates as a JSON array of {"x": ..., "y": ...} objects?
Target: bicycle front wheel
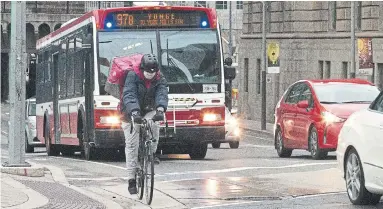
[{"x": 149, "y": 177}]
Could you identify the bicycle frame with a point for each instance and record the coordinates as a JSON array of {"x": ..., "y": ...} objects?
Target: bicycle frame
[{"x": 145, "y": 157}]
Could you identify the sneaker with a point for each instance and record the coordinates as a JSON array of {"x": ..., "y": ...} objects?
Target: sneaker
[
  {"x": 156, "y": 160},
  {"x": 132, "y": 186}
]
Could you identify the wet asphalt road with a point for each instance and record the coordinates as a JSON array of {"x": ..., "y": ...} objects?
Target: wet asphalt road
[{"x": 251, "y": 176}]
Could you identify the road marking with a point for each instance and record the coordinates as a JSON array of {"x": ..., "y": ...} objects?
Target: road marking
[
  {"x": 98, "y": 163},
  {"x": 246, "y": 168},
  {"x": 318, "y": 195},
  {"x": 99, "y": 179}
]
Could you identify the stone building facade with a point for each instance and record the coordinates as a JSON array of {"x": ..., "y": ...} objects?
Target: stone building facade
[{"x": 315, "y": 43}]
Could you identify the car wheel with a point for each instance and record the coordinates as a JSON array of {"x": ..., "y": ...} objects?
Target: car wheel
[
  {"x": 216, "y": 145},
  {"x": 355, "y": 182},
  {"x": 316, "y": 152},
  {"x": 281, "y": 150},
  {"x": 234, "y": 145},
  {"x": 198, "y": 152},
  {"x": 28, "y": 148}
]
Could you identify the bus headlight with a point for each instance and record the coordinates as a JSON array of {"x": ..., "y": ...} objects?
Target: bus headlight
[
  {"x": 110, "y": 120},
  {"x": 209, "y": 117}
]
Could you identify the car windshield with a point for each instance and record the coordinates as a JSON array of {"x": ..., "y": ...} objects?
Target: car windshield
[
  {"x": 345, "y": 93},
  {"x": 187, "y": 56},
  {"x": 32, "y": 109},
  {"x": 190, "y": 56}
]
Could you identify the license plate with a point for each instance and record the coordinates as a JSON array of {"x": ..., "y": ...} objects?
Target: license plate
[{"x": 210, "y": 88}]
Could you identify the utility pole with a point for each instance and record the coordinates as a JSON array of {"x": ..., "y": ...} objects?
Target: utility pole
[
  {"x": 17, "y": 67},
  {"x": 264, "y": 62},
  {"x": 230, "y": 32},
  {"x": 353, "y": 67}
]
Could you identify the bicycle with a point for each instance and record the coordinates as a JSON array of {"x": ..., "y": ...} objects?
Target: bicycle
[{"x": 145, "y": 170}]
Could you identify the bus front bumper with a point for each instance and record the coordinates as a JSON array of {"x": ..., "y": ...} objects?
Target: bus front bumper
[
  {"x": 192, "y": 135},
  {"x": 109, "y": 139}
]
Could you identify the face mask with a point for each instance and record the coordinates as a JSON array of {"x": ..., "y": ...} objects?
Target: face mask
[{"x": 148, "y": 75}]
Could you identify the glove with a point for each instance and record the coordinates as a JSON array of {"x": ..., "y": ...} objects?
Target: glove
[
  {"x": 137, "y": 117},
  {"x": 159, "y": 116}
]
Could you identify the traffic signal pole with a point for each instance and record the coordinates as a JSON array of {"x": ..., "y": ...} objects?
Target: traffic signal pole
[{"x": 264, "y": 63}]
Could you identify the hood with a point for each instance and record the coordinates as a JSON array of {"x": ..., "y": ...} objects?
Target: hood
[{"x": 344, "y": 110}]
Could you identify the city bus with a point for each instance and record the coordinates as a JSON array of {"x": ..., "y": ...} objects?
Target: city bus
[{"x": 75, "y": 113}]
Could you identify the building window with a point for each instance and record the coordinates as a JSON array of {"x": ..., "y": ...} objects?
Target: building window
[
  {"x": 200, "y": 3},
  {"x": 239, "y": 4},
  {"x": 328, "y": 69},
  {"x": 344, "y": 69},
  {"x": 379, "y": 80},
  {"x": 246, "y": 75},
  {"x": 258, "y": 81},
  {"x": 221, "y": 4},
  {"x": 320, "y": 69}
]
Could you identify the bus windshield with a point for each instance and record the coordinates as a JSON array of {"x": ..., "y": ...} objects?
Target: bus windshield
[
  {"x": 190, "y": 56},
  {"x": 187, "y": 56}
]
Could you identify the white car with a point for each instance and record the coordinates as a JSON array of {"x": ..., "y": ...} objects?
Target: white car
[
  {"x": 31, "y": 140},
  {"x": 233, "y": 133},
  {"x": 360, "y": 154}
]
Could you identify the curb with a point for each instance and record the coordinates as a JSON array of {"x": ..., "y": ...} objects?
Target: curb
[
  {"x": 260, "y": 132},
  {"x": 33, "y": 171}
]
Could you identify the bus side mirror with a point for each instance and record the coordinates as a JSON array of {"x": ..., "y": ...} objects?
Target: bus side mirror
[
  {"x": 228, "y": 61},
  {"x": 229, "y": 72}
]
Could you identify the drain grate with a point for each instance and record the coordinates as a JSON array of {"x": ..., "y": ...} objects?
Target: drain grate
[
  {"x": 62, "y": 197},
  {"x": 253, "y": 198}
]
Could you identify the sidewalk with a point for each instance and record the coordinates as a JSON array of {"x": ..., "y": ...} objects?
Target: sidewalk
[
  {"x": 255, "y": 126},
  {"x": 47, "y": 191}
]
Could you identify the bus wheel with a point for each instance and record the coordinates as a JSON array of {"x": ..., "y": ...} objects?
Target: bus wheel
[
  {"x": 89, "y": 152},
  {"x": 198, "y": 152},
  {"x": 67, "y": 151},
  {"x": 51, "y": 150}
]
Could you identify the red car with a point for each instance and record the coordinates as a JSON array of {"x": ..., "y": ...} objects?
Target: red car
[{"x": 311, "y": 113}]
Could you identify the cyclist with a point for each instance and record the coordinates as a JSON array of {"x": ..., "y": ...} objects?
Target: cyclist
[{"x": 145, "y": 93}]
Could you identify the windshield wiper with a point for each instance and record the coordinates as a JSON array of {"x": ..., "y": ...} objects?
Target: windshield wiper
[
  {"x": 356, "y": 102},
  {"x": 173, "y": 64},
  {"x": 104, "y": 42},
  {"x": 326, "y": 102}
]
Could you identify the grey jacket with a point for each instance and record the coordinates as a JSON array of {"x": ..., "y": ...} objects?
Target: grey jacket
[{"x": 142, "y": 95}]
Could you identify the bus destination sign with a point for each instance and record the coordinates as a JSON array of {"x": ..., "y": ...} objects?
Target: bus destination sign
[{"x": 147, "y": 19}]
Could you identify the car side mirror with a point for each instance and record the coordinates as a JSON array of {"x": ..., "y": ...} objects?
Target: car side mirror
[
  {"x": 229, "y": 72},
  {"x": 303, "y": 104}
]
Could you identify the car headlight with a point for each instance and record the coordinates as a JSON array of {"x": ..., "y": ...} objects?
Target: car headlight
[
  {"x": 331, "y": 118},
  {"x": 233, "y": 122},
  {"x": 209, "y": 117},
  {"x": 110, "y": 120}
]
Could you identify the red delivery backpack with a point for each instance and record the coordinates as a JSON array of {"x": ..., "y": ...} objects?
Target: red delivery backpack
[{"x": 119, "y": 69}]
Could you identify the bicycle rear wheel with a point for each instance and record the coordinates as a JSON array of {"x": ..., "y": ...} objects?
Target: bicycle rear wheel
[{"x": 149, "y": 176}]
